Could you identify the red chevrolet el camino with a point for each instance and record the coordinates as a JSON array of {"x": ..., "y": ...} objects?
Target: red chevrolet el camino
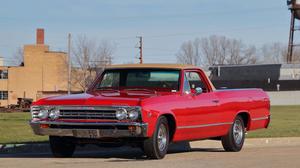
[{"x": 150, "y": 106}]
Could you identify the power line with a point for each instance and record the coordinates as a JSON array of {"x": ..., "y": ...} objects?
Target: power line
[
  {"x": 215, "y": 31},
  {"x": 209, "y": 32},
  {"x": 194, "y": 14},
  {"x": 189, "y": 33},
  {"x": 160, "y": 49},
  {"x": 194, "y": 33}
]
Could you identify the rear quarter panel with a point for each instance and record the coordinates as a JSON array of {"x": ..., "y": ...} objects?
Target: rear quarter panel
[{"x": 254, "y": 102}]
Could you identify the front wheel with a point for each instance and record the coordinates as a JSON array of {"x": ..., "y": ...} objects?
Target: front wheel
[
  {"x": 234, "y": 140},
  {"x": 156, "y": 147},
  {"x": 61, "y": 146}
]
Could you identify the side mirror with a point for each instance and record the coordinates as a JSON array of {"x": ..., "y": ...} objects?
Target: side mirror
[{"x": 198, "y": 90}]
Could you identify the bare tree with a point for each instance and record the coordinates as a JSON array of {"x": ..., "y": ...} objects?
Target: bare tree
[
  {"x": 222, "y": 50},
  {"x": 235, "y": 55},
  {"x": 18, "y": 56},
  {"x": 274, "y": 53},
  {"x": 189, "y": 53},
  {"x": 250, "y": 55},
  {"x": 89, "y": 58},
  {"x": 296, "y": 55},
  {"x": 216, "y": 50}
]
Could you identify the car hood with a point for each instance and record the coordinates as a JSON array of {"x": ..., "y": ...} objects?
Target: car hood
[{"x": 94, "y": 99}]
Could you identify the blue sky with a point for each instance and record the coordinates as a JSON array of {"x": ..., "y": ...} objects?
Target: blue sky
[{"x": 165, "y": 24}]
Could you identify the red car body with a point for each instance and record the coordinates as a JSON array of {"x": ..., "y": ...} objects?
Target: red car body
[{"x": 190, "y": 116}]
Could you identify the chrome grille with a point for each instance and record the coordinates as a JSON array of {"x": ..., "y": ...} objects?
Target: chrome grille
[
  {"x": 85, "y": 113},
  {"x": 35, "y": 111}
]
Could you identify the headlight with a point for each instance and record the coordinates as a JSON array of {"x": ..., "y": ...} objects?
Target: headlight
[
  {"x": 43, "y": 114},
  {"x": 54, "y": 113},
  {"x": 121, "y": 114},
  {"x": 133, "y": 114},
  {"x": 40, "y": 112}
]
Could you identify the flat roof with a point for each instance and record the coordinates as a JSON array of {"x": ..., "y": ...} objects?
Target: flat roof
[
  {"x": 282, "y": 66},
  {"x": 163, "y": 66}
]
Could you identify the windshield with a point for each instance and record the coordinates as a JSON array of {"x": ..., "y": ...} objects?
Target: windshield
[{"x": 155, "y": 79}]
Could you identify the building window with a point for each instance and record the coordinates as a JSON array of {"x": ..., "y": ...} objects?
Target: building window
[
  {"x": 3, "y": 95},
  {"x": 3, "y": 74}
]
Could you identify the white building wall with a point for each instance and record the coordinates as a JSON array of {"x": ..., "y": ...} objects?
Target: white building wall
[{"x": 285, "y": 98}]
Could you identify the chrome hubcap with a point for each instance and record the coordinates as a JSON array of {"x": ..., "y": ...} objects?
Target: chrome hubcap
[
  {"x": 162, "y": 137},
  {"x": 238, "y": 132}
]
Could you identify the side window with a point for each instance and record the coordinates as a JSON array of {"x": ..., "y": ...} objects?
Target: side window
[
  {"x": 195, "y": 81},
  {"x": 3, "y": 74},
  {"x": 3, "y": 95},
  {"x": 186, "y": 85}
]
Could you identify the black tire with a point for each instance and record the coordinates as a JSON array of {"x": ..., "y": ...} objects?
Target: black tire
[
  {"x": 151, "y": 145},
  {"x": 234, "y": 140},
  {"x": 62, "y": 146}
]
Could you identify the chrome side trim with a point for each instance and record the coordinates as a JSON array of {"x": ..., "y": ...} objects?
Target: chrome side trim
[
  {"x": 204, "y": 125},
  {"x": 260, "y": 118}
]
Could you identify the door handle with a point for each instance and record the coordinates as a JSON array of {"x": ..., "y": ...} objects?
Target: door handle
[{"x": 215, "y": 101}]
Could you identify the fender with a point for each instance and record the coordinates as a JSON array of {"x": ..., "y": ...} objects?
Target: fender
[
  {"x": 151, "y": 117},
  {"x": 246, "y": 116}
]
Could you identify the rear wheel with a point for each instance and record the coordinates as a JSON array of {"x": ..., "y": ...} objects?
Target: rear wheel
[
  {"x": 156, "y": 147},
  {"x": 235, "y": 138},
  {"x": 62, "y": 146}
]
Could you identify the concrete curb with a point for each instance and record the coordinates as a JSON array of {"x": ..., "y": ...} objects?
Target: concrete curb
[{"x": 273, "y": 142}]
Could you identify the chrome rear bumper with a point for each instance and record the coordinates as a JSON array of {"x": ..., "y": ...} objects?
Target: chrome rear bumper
[{"x": 53, "y": 128}]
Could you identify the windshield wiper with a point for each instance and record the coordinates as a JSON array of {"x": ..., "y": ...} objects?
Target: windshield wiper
[
  {"x": 141, "y": 89},
  {"x": 108, "y": 89}
]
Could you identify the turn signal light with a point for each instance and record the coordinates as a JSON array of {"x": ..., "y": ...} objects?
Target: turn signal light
[
  {"x": 44, "y": 126},
  {"x": 131, "y": 128}
]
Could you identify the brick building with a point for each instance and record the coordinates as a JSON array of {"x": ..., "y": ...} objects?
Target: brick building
[{"x": 43, "y": 71}]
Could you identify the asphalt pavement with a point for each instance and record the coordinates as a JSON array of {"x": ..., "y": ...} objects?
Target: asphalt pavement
[{"x": 273, "y": 153}]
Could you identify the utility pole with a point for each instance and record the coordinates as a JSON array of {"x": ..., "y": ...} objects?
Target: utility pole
[
  {"x": 141, "y": 49},
  {"x": 69, "y": 63}
]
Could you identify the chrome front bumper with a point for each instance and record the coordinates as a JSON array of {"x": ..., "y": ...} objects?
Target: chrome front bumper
[{"x": 53, "y": 128}]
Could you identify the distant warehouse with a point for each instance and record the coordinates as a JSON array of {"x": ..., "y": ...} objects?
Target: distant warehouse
[{"x": 270, "y": 77}]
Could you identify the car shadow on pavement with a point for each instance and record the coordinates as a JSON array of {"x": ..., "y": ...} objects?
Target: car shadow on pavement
[{"x": 120, "y": 154}]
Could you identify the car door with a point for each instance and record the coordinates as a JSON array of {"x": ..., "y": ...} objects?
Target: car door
[{"x": 201, "y": 108}]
